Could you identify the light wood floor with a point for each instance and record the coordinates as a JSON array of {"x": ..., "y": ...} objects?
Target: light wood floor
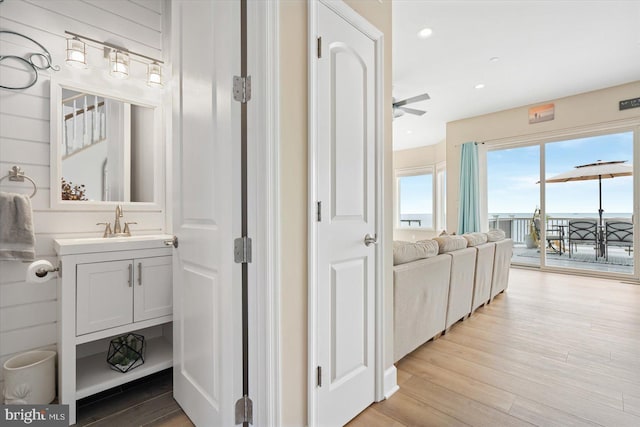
[{"x": 553, "y": 350}]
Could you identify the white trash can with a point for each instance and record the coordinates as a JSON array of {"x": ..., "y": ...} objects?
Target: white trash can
[{"x": 30, "y": 378}]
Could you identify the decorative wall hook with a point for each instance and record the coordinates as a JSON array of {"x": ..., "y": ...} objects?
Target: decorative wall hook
[{"x": 45, "y": 57}]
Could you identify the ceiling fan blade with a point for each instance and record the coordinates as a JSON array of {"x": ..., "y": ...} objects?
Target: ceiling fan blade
[
  {"x": 411, "y": 100},
  {"x": 412, "y": 111}
]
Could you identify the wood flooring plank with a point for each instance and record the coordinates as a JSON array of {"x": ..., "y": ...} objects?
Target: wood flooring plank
[
  {"x": 586, "y": 377},
  {"x": 561, "y": 398},
  {"x": 524, "y": 371},
  {"x": 403, "y": 376},
  {"x": 465, "y": 386},
  {"x": 458, "y": 406},
  {"x": 632, "y": 404},
  {"x": 176, "y": 418},
  {"x": 371, "y": 417},
  {"x": 144, "y": 412},
  {"x": 411, "y": 412},
  {"x": 543, "y": 415},
  {"x": 120, "y": 400}
]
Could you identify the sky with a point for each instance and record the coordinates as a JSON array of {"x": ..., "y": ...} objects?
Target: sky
[
  {"x": 512, "y": 176},
  {"x": 415, "y": 200}
]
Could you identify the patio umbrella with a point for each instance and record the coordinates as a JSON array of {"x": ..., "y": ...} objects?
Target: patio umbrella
[{"x": 599, "y": 170}]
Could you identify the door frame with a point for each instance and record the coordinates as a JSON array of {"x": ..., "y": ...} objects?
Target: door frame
[
  {"x": 263, "y": 140},
  {"x": 263, "y": 145},
  {"x": 377, "y": 37}
]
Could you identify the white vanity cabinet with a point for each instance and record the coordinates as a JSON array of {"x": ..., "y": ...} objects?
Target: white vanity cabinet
[
  {"x": 107, "y": 288},
  {"x": 115, "y": 293}
]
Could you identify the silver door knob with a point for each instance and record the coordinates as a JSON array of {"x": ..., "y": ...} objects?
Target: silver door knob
[{"x": 369, "y": 240}]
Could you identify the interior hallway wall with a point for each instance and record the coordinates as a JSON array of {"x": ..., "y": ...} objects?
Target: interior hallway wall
[
  {"x": 294, "y": 196},
  {"x": 28, "y": 312},
  {"x": 600, "y": 106}
]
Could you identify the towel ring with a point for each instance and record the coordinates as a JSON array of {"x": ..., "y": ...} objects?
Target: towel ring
[{"x": 17, "y": 175}]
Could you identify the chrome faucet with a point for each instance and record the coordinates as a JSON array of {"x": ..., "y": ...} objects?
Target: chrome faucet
[{"x": 117, "y": 229}]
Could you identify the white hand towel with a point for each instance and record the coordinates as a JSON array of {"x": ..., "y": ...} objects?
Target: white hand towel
[{"x": 17, "y": 240}]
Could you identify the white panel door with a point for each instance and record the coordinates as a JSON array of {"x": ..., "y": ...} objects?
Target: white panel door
[
  {"x": 346, "y": 189},
  {"x": 104, "y": 295},
  {"x": 153, "y": 292},
  {"x": 206, "y": 140}
]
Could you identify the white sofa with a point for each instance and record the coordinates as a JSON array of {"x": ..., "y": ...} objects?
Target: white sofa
[
  {"x": 434, "y": 291},
  {"x": 484, "y": 274},
  {"x": 421, "y": 290},
  {"x": 501, "y": 263},
  {"x": 463, "y": 269}
]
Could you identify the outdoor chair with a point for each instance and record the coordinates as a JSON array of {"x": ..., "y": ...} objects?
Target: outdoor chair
[
  {"x": 581, "y": 232},
  {"x": 619, "y": 233},
  {"x": 553, "y": 234}
]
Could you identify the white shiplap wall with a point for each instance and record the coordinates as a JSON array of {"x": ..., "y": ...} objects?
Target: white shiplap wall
[{"x": 28, "y": 311}]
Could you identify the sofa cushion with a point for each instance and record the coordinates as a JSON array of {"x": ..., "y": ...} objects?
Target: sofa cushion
[
  {"x": 450, "y": 243},
  {"x": 475, "y": 239},
  {"x": 495, "y": 235},
  {"x": 404, "y": 252}
]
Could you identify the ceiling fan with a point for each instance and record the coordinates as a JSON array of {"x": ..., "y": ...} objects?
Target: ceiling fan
[{"x": 399, "y": 107}]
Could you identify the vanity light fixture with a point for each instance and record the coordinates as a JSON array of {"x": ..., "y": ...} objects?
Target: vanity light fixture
[
  {"x": 76, "y": 53},
  {"x": 154, "y": 75},
  {"x": 118, "y": 64},
  {"x": 119, "y": 58}
]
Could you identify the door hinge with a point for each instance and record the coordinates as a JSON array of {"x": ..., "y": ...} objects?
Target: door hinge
[
  {"x": 242, "y": 250},
  {"x": 242, "y": 89},
  {"x": 319, "y": 41},
  {"x": 319, "y": 211},
  {"x": 319, "y": 376},
  {"x": 244, "y": 410}
]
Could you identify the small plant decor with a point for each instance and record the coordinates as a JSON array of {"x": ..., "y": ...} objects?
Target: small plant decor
[
  {"x": 72, "y": 192},
  {"x": 126, "y": 352}
]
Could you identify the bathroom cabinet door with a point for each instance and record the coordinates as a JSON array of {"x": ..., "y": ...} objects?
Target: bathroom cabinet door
[
  {"x": 104, "y": 295},
  {"x": 153, "y": 292}
]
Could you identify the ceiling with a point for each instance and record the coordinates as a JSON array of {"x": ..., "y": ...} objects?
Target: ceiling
[{"x": 546, "y": 50}]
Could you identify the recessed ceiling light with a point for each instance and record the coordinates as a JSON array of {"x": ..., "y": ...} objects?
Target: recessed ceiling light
[
  {"x": 425, "y": 33},
  {"x": 409, "y": 132},
  {"x": 479, "y": 86},
  {"x": 494, "y": 59}
]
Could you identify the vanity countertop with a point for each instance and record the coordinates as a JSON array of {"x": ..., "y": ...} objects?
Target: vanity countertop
[{"x": 102, "y": 244}]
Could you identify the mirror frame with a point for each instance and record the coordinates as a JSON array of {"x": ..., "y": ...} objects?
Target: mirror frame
[{"x": 151, "y": 100}]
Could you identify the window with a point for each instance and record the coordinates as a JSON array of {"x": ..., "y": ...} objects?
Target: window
[
  {"x": 420, "y": 197},
  {"x": 441, "y": 196},
  {"x": 415, "y": 194}
]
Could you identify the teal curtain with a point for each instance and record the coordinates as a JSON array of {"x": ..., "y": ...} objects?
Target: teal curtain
[{"x": 469, "y": 209}]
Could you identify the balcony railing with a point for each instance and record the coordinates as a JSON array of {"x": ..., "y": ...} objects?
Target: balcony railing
[{"x": 518, "y": 228}]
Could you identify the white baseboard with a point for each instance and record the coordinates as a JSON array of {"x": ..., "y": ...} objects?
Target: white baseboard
[{"x": 390, "y": 381}]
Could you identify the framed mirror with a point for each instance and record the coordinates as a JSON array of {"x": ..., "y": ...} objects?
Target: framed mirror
[{"x": 106, "y": 148}]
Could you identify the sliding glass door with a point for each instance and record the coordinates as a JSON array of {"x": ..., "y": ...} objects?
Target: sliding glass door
[
  {"x": 580, "y": 216},
  {"x": 589, "y": 203},
  {"x": 513, "y": 200}
]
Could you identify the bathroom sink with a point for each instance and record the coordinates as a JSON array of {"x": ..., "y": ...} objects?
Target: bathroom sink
[{"x": 106, "y": 244}]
